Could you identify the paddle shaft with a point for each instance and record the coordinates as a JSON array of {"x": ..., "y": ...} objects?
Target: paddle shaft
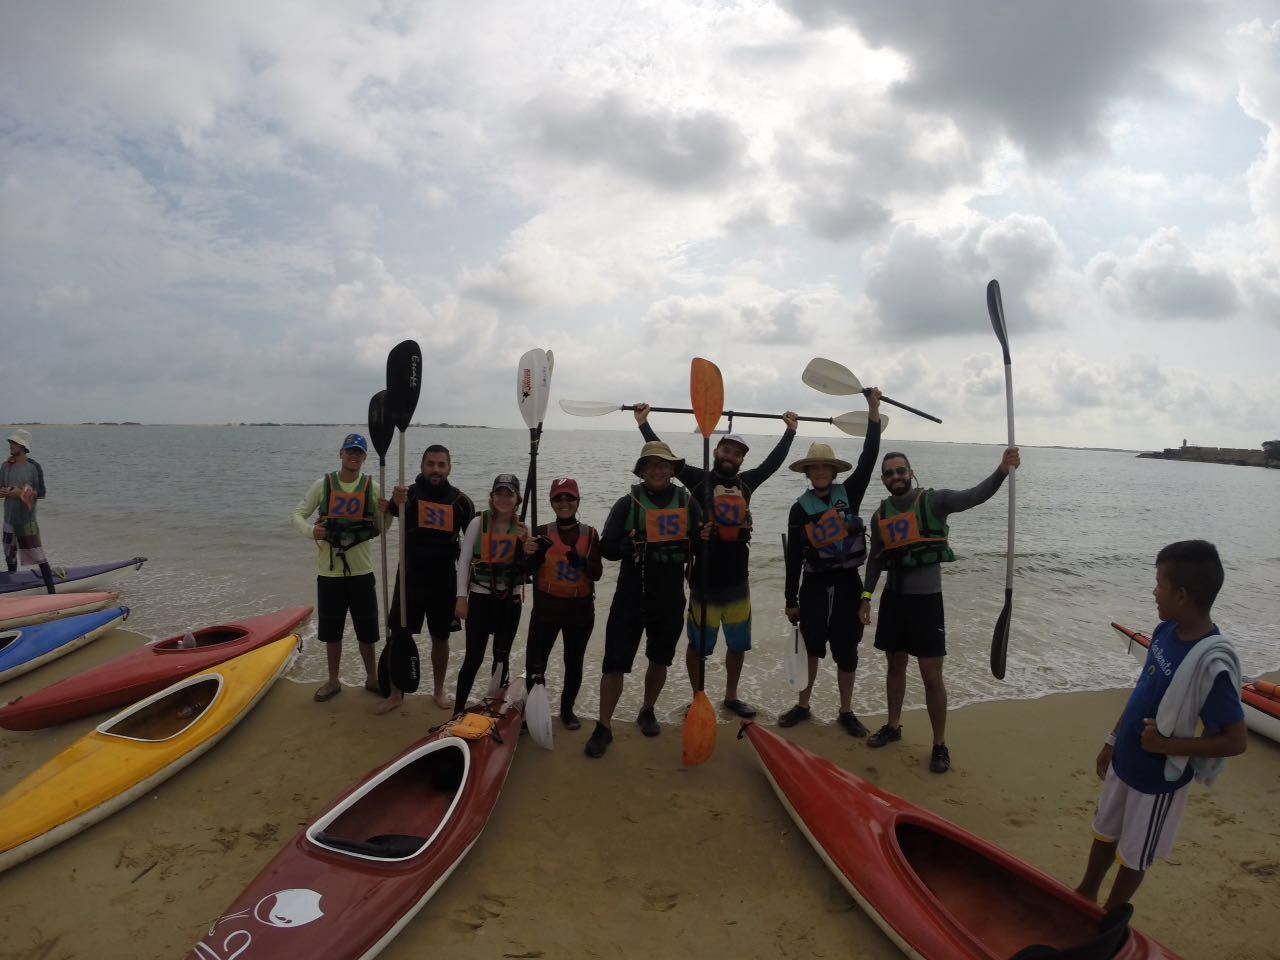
[
  {"x": 404, "y": 607},
  {"x": 705, "y": 571},
  {"x": 919, "y": 413},
  {"x": 1000, "y": 636},
  {"x": 733, "y": 413},
  {"x": 382, "y": 543}
]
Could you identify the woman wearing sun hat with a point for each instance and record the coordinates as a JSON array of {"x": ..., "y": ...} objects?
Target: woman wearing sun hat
[
  {"x": 22, "y": 485},
  {"x": 826, "y": 545}
]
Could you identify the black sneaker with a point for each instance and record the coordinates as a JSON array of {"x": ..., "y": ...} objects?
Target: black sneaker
[
  {"x": 884, "y": 735},
  {"x": 852, "y": 724},
  {"x": 570, "y": 720},
  {"x": 598, "y": 742},
  {"x": 793, "y": 716},
  {"x": 648, "y": 723},
  {"x": 740, "y": 707},
  {"x": 940, "y": 759}
]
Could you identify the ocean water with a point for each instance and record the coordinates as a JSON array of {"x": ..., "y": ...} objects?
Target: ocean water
[{"x": 209, "y": 506}]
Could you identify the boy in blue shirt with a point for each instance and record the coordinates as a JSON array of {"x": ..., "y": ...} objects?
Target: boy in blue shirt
[{"x": 1191, "y": 673}]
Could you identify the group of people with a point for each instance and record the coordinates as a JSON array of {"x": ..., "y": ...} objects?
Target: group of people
[{"x": 678, "y": 525}]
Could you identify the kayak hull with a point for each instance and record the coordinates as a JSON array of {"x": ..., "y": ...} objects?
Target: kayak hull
[
  {"x": 130, "y": 754},
  {"x": 356, "y": 875},
  {"x": 936, "y": 890},
  {"x": 25, "y": 611},
  {"x": 25, "y": 648},
  {"x": 97, "y": 576},
  {"x": 146, "y": 670},
  {"x": 1261, "y": 712}
]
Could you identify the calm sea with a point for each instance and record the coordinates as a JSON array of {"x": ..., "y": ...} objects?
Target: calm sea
[{"x": 210, "y": 507}]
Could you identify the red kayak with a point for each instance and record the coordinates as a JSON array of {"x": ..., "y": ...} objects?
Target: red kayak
[
  {"x": 146, "y": 671},
  {"x": 353, "y": 878},
  {"x": 1261, "y": 699},
  {"x": 24, "y": 611},
  {"x": 937, "y": 891}
]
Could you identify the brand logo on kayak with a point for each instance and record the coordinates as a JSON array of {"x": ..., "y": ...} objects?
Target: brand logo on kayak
[
  {"x": 284, "y": 910},
  {"x": 526, "y": 383},
  {"x": 415, "y": 370}
]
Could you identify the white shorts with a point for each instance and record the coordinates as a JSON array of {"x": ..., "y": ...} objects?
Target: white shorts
[{"x": 1143, "y": 825}]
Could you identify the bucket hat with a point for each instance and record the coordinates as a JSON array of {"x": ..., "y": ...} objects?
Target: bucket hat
[
  {"x": 22, "y": 438},
  {"x": 659, "y": 450}
]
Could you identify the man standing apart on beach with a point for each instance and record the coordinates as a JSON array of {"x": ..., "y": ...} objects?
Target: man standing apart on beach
[
  {"x": 349, "y": 515},
  {"x": 437, "y": 514},
  {"x": 21, "y": 485},
  {"x": 728, "y": 601},
  {"x": 1191, "y": 677},
  {"x": 648, "y": 530},
  {"x": 909, "y": 540},
  {"x": 827, "y": 541}
]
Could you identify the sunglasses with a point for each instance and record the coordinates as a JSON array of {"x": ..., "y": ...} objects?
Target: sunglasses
[
  {"x": 897, "y": 472},
  {"x": 564, "y": 498}
]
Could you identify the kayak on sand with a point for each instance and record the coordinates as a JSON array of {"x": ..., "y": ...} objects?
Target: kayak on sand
[
  {"x": 25, "y": 611},
  {"x": 1260, "y": 699},
  {"x": 355, "y": 876},
  {"x": 146, "y": 670},
  {"x": 133, "y": 752},
  {"x": 25, "y": 648},
  {"x": 936, "y": 890},
  {"x": 96, "y": 576}
]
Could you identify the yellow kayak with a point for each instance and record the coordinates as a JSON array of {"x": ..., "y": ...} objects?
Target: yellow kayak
[{"x": 135, "y": 750}]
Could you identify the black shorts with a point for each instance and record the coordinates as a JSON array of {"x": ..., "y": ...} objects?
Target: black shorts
[
  {"x": 431, "y": 594},
  {"x": 829, "y": 615},
  {"x": 911, "y": 623},
  {"x": 658, "y": 613},
  {"x": 337, "y": 595}
]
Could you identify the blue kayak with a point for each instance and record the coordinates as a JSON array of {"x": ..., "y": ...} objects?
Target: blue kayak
[
  {"x": 25, "y": 648},
  {"x": 97, "y": 576}
]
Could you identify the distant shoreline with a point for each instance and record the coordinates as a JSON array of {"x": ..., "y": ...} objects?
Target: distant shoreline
[
  {"x": 1232, "y": 456},
  {"x": 242, "y": 423}
]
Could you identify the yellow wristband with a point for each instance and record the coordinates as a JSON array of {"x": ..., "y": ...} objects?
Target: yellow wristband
[{"x": 866, "y": 594}]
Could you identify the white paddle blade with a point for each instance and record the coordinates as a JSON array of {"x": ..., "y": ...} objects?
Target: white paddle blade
[
  {"x": 855, "y": 424},
  {"x": 495, "y": 683},
  {"x": 537, "y": 714},
  {"x": 796, "y": 658},
  {"x": 827, "y": 376},
  {"x": 516, "y": 694},
  {"x": 589, "y": 408},
  {"x": 533, "y": 387}
]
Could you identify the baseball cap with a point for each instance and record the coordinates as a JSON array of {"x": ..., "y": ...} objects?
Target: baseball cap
[
  {"x": 564, "y": 485},
  {"x": 506, "y": 481},
  {"x": 355, "y": 441},
  {"x": 735, "y": 438}
]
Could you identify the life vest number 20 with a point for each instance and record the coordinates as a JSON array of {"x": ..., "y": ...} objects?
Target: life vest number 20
[{"x": 346, "y": 504}]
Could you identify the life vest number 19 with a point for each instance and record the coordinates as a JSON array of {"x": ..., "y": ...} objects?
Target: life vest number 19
[{"x": 899, "y": 531}]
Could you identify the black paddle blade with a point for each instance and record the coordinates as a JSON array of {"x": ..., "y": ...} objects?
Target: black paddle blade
[
  {"x": 1000, "y": 638},
  {"x": 404, "y": 382},
  {"x": 995, "y": 307},
  {"x": 402, "y": 661},
  {"x": 381, "y": 429}
]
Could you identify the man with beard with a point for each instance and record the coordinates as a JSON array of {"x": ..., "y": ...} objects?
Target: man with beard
[
  {"x": 909, "y": 540},
  {"x": 724, "y": 501},
  {"x": 437, "y": 513},
  {"x": 649, "y": 531}
]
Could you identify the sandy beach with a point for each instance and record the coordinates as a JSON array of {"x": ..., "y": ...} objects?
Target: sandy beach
[{"x": 629, "y": 856}]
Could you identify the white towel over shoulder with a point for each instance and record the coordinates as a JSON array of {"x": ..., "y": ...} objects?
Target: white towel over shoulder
[{"x": 1179, "y": 709}]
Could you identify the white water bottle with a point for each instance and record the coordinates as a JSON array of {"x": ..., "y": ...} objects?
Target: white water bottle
[{"x": 188, "y": 640}]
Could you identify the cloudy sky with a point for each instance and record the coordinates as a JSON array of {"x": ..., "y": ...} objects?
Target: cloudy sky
[{"x": 228, "y": 211}]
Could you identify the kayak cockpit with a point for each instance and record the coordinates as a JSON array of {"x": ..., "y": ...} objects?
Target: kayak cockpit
[
  {"x": 1003, "y": 909},
  {"x": 206, "y": 637},
  {"x": 166, "y": 714},
  {"x": 8, "y": 638},
  {"x": 398, "y": 815}
]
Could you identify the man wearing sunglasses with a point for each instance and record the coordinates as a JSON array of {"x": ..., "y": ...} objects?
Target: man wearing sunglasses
[{"x": 909, "y": 540}]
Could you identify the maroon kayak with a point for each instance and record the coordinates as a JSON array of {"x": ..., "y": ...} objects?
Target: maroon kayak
[
  {"x": 146, "y": 671},
  {"x": 355, "y": 876}
]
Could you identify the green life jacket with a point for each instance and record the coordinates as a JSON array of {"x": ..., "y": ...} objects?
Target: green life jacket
[
  {"x": 496, "y": 556},
  {"x": 916, "y": 538},
  {"x": 345, "y": 529},
  {"x": 652, "y": 524},
  {"x": 835, "y": 538}
]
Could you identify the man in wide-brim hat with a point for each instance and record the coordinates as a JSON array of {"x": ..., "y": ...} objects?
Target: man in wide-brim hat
[
  {"x": 22, "y": 486},
  {"x": 826, "y": 546},
  {"x": 648, "y": 530}
]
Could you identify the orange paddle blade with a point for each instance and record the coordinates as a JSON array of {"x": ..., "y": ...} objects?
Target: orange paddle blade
[
  {"x": 706, "y": 389},
  {"x": 699, "y": 731}
]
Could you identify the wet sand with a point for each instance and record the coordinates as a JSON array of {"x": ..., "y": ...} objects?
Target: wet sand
[{"x": 630, "y": 855}]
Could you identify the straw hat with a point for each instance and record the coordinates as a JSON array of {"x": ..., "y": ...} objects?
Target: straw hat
[
  {"x": 22, "y": 438},
  {"x": 659, "y": 450},
  {"x": 820, "y": 455}
]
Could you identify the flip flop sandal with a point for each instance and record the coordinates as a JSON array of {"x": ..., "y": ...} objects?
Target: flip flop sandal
[{"x": 327, "y": 693}]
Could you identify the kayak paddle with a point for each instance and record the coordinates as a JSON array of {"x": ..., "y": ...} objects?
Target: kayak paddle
[
  {"x": 854, "y": 423},
  {"x": 380, "y": 432},
  {"x": 706, "y": 389},
  {"x": 796, "y": 658},
  {"x": 533, "y": 388},
  {"x": 404, "y": 382},
  {"x": 1000, "y": 638},
  {"x": 827, "y": 376}
]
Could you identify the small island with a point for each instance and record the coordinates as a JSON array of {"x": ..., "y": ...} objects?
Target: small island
[{"x": 1268, "y": 455}]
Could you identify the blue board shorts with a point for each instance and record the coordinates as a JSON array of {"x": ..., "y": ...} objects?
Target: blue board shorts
[{"x": 727, "y": 610}]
